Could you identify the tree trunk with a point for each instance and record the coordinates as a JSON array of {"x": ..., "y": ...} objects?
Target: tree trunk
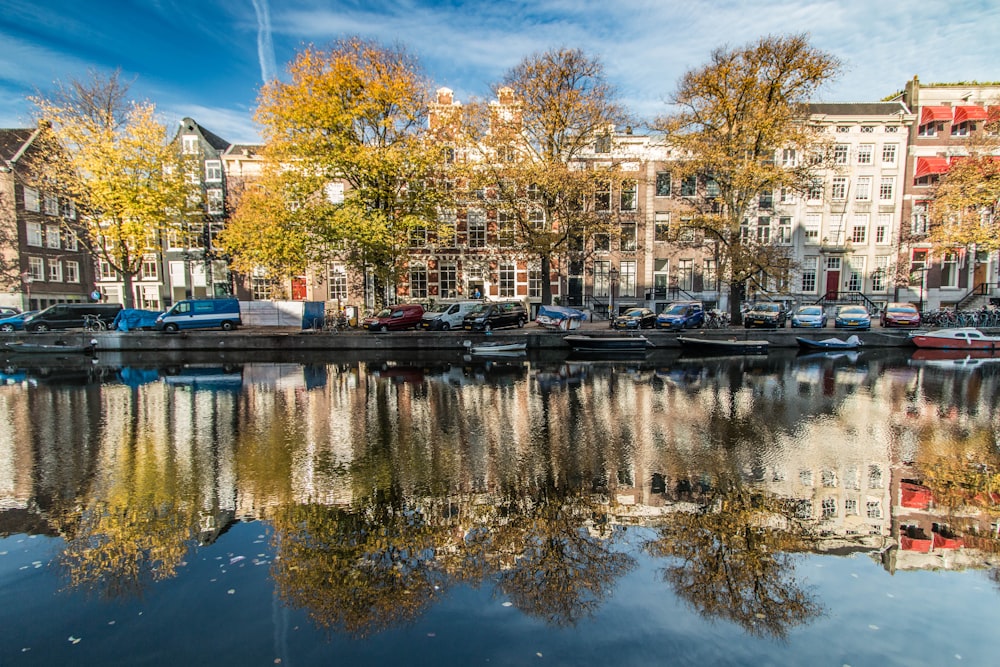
[
  {"x": 546, "y": 280},
  {"x": 127, "y": 290},
  {"x": 737, "y": 292}
]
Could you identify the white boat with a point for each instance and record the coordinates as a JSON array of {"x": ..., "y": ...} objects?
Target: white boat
[
  {"x": 496, "y": 348},
  {"x": 959, "y": 338}
]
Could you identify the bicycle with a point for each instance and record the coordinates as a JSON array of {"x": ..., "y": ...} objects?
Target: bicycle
[{"x": 94, "y": 323}]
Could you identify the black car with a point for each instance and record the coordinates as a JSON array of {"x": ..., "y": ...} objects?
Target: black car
[
  {"x": 635, "y": 318},
  {"x": 492, "y": 315},
  {"x": 767, "y": 314}
]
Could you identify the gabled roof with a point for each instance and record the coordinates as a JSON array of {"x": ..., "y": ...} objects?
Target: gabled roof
[
  {"x": 214, "y": 140},
  {"x": 12, "y": 141}
]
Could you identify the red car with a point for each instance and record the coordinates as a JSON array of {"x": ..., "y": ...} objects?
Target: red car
[{"x": 900, "y": 315}]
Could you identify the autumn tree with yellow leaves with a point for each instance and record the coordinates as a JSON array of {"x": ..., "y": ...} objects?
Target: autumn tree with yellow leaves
[
  {"x": 526, "y": 156},
  {"x": 731, "y": 119},
  {"x": 352, "y": 167},
  {"x": 115, "y": 161}
]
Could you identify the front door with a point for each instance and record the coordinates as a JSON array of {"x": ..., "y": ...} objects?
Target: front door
[
  {"x": 298, "y": 289},
  {"x": 832, "y": 285}
]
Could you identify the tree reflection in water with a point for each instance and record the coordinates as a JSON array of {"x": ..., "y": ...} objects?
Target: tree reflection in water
[
  {"x": 733, "y": 559},
  {"x": 383, "y": 562}
]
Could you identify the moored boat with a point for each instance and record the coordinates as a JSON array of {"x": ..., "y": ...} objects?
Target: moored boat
[
  {"x": 851, "y": 343},
  {"x": 959, "y": 338},
  {"x": 723, "y": 346},
  {"x": 497, "y": 348},
  {"x": 607, "y": 343}
]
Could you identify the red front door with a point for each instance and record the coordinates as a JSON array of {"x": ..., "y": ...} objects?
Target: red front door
[
  {"x": 298, "y": 289},
  {"x": 832, "y": 284}
]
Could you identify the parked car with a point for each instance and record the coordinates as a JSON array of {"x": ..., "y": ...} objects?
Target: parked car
[
  {"x": 9, "y": 311},
  {"x": 853, "y": 317},
  {"x": 635, "y": 318},
  {"x": 70, "y": 315},
  {"x": 809, "y": 316},
  {"x": 681, "y": 315},
  {"x": 445, "y": 316},
  {"x": 14, "y": 322},
  {"x": 201, "y": 314},
  {"x": 403, "y": 316},
  {"x": 900, "y": 315},
  {"x": 491, "y": 315},
  {"x": 767, "y": 314}
]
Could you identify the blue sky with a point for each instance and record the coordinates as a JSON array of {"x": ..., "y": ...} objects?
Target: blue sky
[{"x": 207, "y": 58}]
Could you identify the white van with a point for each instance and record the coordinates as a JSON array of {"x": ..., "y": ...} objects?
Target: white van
[{"x": 446, "y": 316}]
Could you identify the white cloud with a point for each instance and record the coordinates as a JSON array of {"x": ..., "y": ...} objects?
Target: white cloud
[{"x": 265, "y": 47}]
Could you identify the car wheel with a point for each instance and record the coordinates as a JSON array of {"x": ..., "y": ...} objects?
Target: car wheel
[
  {"x": 520, "y": 322},
  {"x": 384, "y": 328},
  {"x": 41, "y": 327},
  {"x": 171, "y": 327},
  {"x": 228, "y": 326},
  {"x": 445, "y": 327},
  {"x": 7, "y": 328},
  {"x": 488, "y": 327}
]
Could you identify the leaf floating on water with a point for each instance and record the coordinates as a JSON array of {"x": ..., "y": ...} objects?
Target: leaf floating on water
[
  {"x": 508, "y": 604},
  {"x": 73, "y": 640},
  {"x": 236, "y": 559},
  {"x": 231, "y": 591},
  {"x": 873, "y": 627}
]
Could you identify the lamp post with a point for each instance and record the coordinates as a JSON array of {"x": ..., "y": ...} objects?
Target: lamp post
[
  {"x": 613, "y": 278},
  {"x": 27, "y": 280}
]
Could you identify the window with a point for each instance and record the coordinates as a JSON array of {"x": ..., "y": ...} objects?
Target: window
[
  {"x": 689, "y": 186},
  {"x": 765, "y": 199},
  {"x": 788, "y": 158},
  {"x": 52, "y": 236},
  {"x": 784, "y": 230},
  {"x": 535, "y": 282},
  {"x": 447, "y": 281},
  {"x": 829, "y": 508},
  {"x": 70, "y": 242},
  {"x": 881, "y": 274},
  {"x": 214, "y": 199},
  {"x": 711, "y": 188},
  {"x": 51, "y": 205},
  {"x": 949, "y": 269},
  {"x": 859, "y": 228},
  {"x": 710, "y": 274},
  {"x": 855, "y": 275},
  {"x": 886, "y": 188},
  {"x": 628, "y": 238},
  {"x": 806, "y": 477},
  {"x": 873, "y": 508},
  {"x": 213, "y": 171},
  {"x": 661, "y": 220},
  {"x": 812, "y": 225},
  {"x": 663, "y": 184},
  {"x": 864, "y": 189},
  {"x": 72, "y": 273},
  {"x": 815, "y": 192},
  {"x": 418, "y": 237},
  {"x": 628, "y": 198},
  {"x": 851, "y": 506},
  {"x": 261, "y": 287},
  {"x": 626, "y": 285},
  {"x": 928, "y": 130},
  {"x": 867, "y": 129},
  {"x": 418, "y": 282},
  {"x": 508, "y": 274},
  {"x": 764, "y": 229},
  {"x": 150, "y": 297},
  {"x": 55, "y": 271},
  {"x": 919, "y": 219},
  {"x": 36, "y": 268},
  {"x": 601, "y": 280},
  {"x": 962, "y": 129},
  {"x": 189, "y": 144},
  {"x": 889, "y": 154},
  {"x": 334, "y": 192},
  {"x": 839, "y": 190},
  {"x": 685, "y": 274},
  {"x": 874, "y": 477},
  {"x": 841, "y": 153},
  {"x": 34, "y": 230},
  {"x": 602, "y": 144},
  {"x": 476, "y": 219},
  {"x": 336, "y": 278},
  {"x": 536, "y": 218},
  {"x": 602, "y": 197},
  {"x": 883, "y": 229},
  {"x": 786, "y": 196},
  {"x": 602, "y": 243},
  {"x": 505, "y": 229},
  {"x": 843, "y": 129},
  {"x": 447, "y": 227},
  {"x": 149, "y": 270},
  {"x": 31, "y": 201},
  {"x": 866, "y": 153},
  {"x": 809, "y": 275}
]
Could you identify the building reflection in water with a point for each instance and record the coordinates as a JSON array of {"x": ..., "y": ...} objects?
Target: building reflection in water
[{"x": 387, "y": 483}]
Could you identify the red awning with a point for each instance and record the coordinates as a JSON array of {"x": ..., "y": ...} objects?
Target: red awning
[
  {"x": 941, "y": 542},
  {"x": 931, "y": 165},
  {"x": 915, "y": 496},
  {"x": 965, "y": 114},
  {"x": 931, "y": 114},
  {"x": 910, "y": 544}
]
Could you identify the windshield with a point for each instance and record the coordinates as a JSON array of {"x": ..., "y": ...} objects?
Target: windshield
[
  {"x": 677, "y": 309},
  {"x": 481, "y": 308},
  {"x": 635, "y": 312},
  {"x": 383, "y": 313},
  {"x": 439, "y": 308},
  {"x": 902, "y": 309},
  {"x": 767, "y": 308},
  {"x": 810, "y": 310},
  {"x": 853, "y": 310}
]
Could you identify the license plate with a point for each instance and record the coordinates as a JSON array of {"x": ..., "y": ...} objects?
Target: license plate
[
  {"x": 852, "y": 323},
  {"x": 758, "y": 321}
]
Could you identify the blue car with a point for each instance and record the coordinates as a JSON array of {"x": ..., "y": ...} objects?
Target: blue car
[
  {"x": 809, "y": 317},
  {"x": 681, "y": 315},
  {"x": 15, "y": 322},
  {"x": 853, "y": 317}
]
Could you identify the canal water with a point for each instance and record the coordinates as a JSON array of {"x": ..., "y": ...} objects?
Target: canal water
[{"x": 837, "y": 509}]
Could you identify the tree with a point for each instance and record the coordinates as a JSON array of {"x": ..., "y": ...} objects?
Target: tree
[
  {"x": 552, "y": 108},
  {"x": 965, "y": 207},
  {"x": 353, "y": 115},
  {"x": 733, "y": 115},
  {"x": 116, "y": 162}
]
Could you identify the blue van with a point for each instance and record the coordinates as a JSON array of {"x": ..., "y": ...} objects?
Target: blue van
[{"x": 201, "y": 314}]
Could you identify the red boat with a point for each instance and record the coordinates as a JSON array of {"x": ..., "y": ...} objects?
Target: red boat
[{"x": 962, "y": 338}]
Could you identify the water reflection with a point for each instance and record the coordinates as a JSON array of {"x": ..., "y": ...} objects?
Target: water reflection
[{"x": 387, "y": 483}]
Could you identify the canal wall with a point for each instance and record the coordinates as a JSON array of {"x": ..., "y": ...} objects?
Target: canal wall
[{"x": 288, "y": 339}]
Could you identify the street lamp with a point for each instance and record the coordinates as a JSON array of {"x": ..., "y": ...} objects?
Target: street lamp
[{"x": 613, "y": 278}]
